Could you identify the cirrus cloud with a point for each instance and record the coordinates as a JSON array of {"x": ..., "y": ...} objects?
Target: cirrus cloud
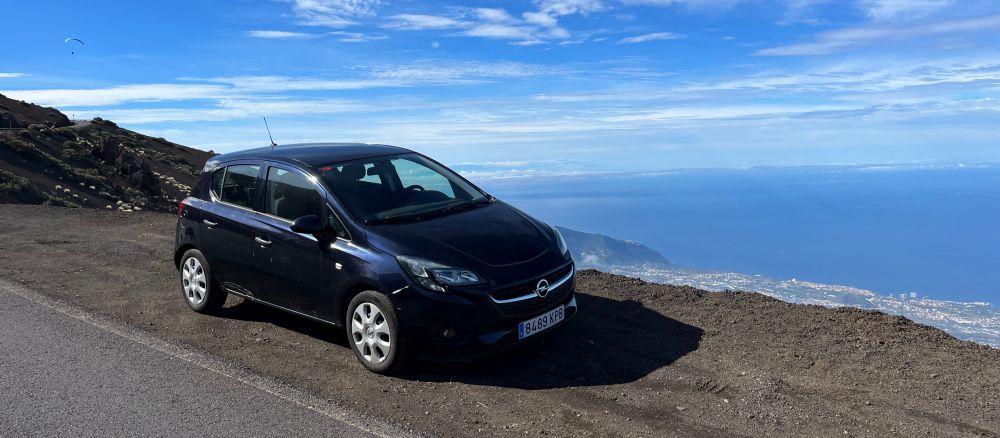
[
  {"x": 333, "y": 13},
  {"x": 656, "y": 36},
  {"x": 281, "y": 35}
]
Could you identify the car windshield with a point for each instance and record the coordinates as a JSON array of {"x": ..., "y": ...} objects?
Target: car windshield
[{"x": 399, "y": 188}]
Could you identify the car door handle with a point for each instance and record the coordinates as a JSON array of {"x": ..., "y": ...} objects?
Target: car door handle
[
  {"x": 210, "y": 224},
  {"x": 262, "y": 241}
]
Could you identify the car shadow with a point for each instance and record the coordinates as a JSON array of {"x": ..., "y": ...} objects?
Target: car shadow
[
  {"x": 246, "y": 310},
  {"x": 607, "y": 342}
]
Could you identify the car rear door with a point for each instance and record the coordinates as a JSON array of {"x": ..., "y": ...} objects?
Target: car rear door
[{"x": 226, "y": 233}]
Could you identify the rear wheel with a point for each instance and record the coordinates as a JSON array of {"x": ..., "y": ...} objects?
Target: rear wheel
[
  {"x": 374, "y": 334},
  {"x": 197, "y": 284}
]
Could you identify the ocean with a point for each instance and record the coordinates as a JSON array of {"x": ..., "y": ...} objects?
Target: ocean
[{"x": 933, "y": 230}]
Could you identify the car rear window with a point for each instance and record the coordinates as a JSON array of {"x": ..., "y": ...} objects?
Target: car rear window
[
  {"x": 217, "y": 182},
  {"x": 239, "y": 185}
]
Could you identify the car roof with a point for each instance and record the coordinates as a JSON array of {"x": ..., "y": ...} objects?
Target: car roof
[{"x": 310, "y": 154}]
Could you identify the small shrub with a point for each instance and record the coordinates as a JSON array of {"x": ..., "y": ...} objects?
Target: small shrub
[
  {"x": 66, "y": 132},
  {"x": 13, "y": 184},
  {"x": 75, "y": 150},
  {"x": 59, "y": 202}
]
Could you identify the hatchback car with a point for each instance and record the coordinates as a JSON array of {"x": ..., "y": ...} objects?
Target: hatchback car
[{"x": 409, "y": 257}]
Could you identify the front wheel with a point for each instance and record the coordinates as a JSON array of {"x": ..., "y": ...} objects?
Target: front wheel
[
  {"x": 374, "y": 334},
  {"x": 197, "y": 284}
]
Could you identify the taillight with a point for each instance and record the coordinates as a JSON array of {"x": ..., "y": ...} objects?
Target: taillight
[{"x": 180, "y": 207}]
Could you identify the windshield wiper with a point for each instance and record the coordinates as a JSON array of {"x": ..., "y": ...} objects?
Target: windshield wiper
[
  {"x": 416, "y": 217},
  {"x": 395, "y": 219},
  {"x": 466, "y": 205}
]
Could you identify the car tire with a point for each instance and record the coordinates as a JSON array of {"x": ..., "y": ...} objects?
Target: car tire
[
  {"x": 198, "y": 286},
  {"x": 374, "y": 333}
]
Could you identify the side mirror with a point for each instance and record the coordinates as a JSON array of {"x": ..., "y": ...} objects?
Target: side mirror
[{"x": 310, "y": 224}]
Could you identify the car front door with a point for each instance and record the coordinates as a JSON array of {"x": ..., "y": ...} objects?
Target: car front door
[
  {"x": 225, "y": 226},
  {"x": 296, "y": 270}
]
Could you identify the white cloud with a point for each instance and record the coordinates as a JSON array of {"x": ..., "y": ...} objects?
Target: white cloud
[
  {"x": 540, "y": 19},
  {"x": 847, "y": 38},
  {"x": 500, "y": 31},
  {"x": 532, "y": 27},
  {"x": 280, "y": 35},
  {"x": 799, "y": 11},
  {"x": 494, "y": 15},
  {"x": 699, "y": 4},
  {"x": 11, "y": 75},
  {"x": 422, "y": 22},
  {"x": 417, "y": 73},
  {"x": 656, "y": 36},
  {"x": 569, "y": 7},
  {"x": 120, "y": 94},
  {"x": 333, "y": 13},
  {"x": 228, "y": 109},
  {"x": 885, "y": 10},
  {"x": 342, "y": 36},
  {"x": 357, "y": 37}
]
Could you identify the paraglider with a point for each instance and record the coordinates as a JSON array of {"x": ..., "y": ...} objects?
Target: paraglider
[{"x": 69, "y": 40}]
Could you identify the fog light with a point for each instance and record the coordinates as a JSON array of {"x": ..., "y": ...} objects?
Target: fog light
[{"x": 448, "y": 333}]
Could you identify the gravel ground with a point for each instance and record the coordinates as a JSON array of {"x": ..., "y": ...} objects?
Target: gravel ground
[{"x": 640, "y": 359}]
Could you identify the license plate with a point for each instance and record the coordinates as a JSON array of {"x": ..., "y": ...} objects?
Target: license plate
[{"x": 541, "y": 322}]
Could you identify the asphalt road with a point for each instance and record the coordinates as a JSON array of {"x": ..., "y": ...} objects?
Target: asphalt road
[{"x": 64, "y": 372}]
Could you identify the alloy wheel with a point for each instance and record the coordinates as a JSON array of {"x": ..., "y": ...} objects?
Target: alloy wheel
[
  {"x": 370, "y": 332},
  {"x": 194, "y": 281}
]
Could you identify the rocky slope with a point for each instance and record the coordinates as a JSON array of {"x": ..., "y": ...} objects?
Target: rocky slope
[{"x": 47, "y": 159}]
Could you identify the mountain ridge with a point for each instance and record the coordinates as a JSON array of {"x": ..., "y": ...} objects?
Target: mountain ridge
[{"x": 45, "y": 158}]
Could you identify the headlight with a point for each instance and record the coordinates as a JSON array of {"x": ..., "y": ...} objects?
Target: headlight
[
  {"x": 436, "y": 276},
  {"x": 563, "y": 249}
]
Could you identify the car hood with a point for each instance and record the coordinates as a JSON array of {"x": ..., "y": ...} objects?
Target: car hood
[{"x": 496, "y": 235}]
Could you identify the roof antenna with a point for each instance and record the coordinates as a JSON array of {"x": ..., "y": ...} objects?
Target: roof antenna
[{"x": 273, "y": 144}]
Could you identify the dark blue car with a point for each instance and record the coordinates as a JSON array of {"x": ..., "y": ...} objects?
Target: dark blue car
[{"x": 405, "y": 254}]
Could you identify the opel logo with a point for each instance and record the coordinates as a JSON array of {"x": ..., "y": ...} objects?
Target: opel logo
[{"x": 542, "y": 288}]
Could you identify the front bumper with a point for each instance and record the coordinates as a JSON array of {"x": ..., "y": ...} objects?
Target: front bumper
[
  {"x": 488, "y": 340},
  {"x": 460, "y": 328}
]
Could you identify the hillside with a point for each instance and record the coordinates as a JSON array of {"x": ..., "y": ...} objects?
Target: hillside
[
  {"x": 598, "y": 251},
  {"x": 47, "y": 159}
]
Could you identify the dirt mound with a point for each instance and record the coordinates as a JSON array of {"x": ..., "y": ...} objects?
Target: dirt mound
[
  {"x": 97, "y": 164},
  {"x": 640, "y": 359}
]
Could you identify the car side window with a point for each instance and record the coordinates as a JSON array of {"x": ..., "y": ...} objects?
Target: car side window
[
  {"x": 336, "y": 225},
  {"x": 217, "y": 182},
  {"x": 239, "y": 185},
  {"x": 290, "y": 195}
]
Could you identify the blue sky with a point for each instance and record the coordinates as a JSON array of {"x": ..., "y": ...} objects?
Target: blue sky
[{"x": 556, "y": 84}]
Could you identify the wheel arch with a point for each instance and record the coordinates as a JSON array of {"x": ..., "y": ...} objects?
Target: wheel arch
[
  {"x": 180, "y": 253},
  {"x": 349, "y": 294}
]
